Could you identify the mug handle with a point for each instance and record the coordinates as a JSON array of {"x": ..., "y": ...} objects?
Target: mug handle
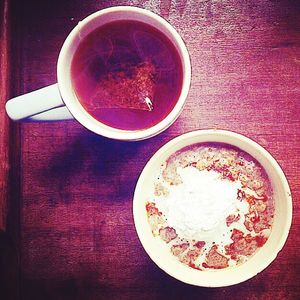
[{"x": 44, "y": 104}]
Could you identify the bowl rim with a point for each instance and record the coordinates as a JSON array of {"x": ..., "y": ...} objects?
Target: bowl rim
[{"x": 212, "y": 133}]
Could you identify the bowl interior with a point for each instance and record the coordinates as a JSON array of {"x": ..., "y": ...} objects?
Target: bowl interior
[{"x": 160, "y": 253}]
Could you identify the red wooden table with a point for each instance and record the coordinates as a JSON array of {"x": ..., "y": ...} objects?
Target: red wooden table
[{"x": 66, "y": 194}]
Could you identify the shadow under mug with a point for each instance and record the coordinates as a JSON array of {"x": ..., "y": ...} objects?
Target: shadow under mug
[{"x": 59, "y": 102}]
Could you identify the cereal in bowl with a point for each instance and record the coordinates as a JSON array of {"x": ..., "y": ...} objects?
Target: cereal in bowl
[{"x": 212, "y": 205}]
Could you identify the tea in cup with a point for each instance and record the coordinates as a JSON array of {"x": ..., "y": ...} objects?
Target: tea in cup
[{"x": 123, "y": 72}]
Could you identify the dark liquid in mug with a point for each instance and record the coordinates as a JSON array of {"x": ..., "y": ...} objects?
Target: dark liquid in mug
[{"x": 122, "y": 65}]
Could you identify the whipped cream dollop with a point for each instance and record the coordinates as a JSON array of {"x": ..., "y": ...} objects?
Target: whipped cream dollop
[{"x": 201, "y": 203}]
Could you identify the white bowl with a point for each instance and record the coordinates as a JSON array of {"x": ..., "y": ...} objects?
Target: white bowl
[{"x": 224, "y": 277}]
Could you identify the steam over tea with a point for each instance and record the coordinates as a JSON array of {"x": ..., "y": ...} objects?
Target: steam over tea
[{"x": 127, "y": 75}]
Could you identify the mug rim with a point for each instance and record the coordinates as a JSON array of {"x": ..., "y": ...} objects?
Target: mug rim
[{"x": 72, "y": 102}]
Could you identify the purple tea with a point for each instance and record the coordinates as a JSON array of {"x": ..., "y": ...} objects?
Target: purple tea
[{"x": 127, "y": 75}]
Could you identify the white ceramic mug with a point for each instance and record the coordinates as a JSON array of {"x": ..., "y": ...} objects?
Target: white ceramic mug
[{"x": 59, "y": 102}]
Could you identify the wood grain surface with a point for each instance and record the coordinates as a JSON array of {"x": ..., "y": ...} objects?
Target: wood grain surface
[
  {"x": 77, "y": 237},
  {"x": 4, "y": 127}
]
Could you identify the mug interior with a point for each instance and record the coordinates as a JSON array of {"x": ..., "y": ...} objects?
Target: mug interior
[
  {"x": 161, "y": 255},
  {"x": 70, "y": 46}
]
